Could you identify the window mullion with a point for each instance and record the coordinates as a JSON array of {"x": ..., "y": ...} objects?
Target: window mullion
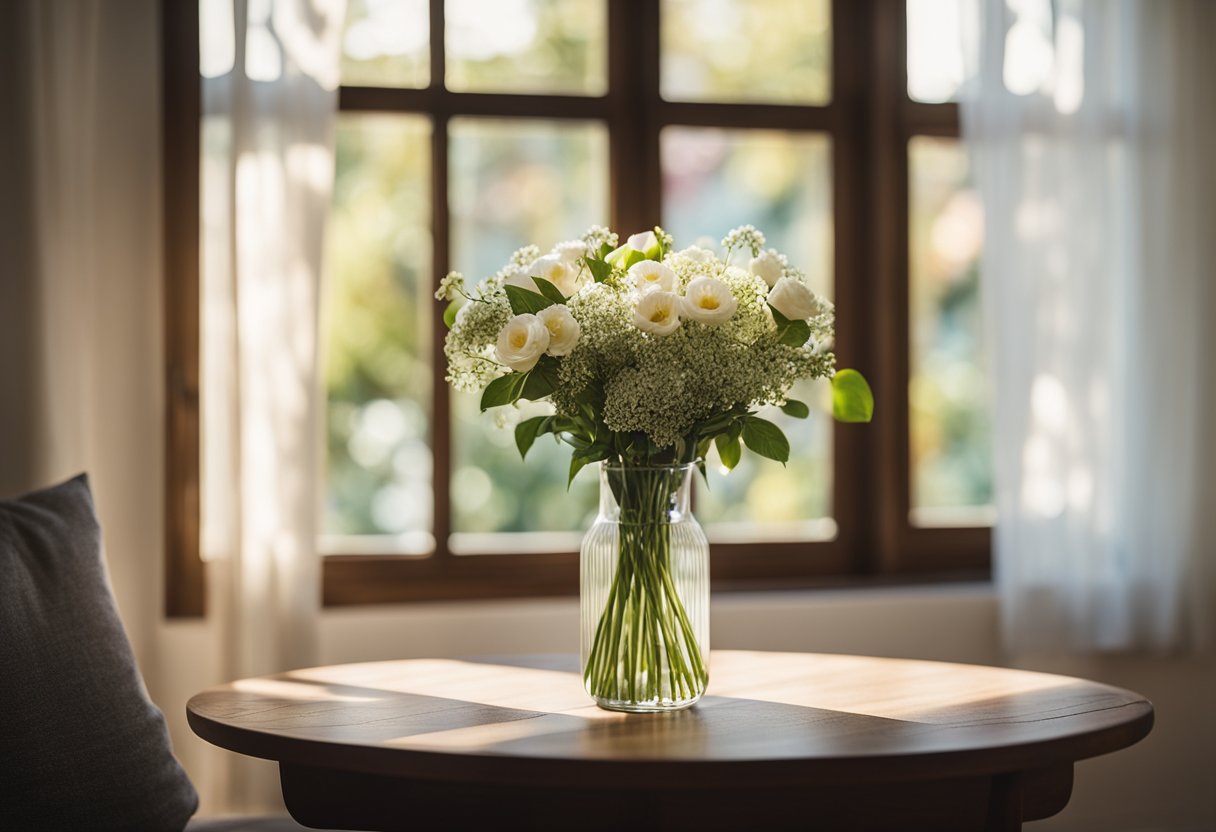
[
  {"x": 441, "y": 426},
  {"x": 853, "y": 183},
  {"x": 633, "y": 93},
  {"x": 888, "y": 219},
  {"x": 438, "y": 48}
]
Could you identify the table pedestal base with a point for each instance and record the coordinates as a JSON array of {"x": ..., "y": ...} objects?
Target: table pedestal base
[{"x": 326, "y": 798}]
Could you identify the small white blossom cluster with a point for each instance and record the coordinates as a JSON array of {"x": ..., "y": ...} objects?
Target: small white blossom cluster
[
  {"x": 656, "y": 340},
  {"x": 598, "y": 235},
  {"x": 744, "y": 237},
  {"x": 451, "y": 286}
]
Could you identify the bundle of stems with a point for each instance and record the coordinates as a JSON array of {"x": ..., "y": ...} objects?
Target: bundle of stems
[{"x": 645, "y": 648}]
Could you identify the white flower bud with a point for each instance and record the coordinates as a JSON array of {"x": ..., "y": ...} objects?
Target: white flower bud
[
  {"x": 768, "y": 266},
  {"x": 643, "y": 246},
  {"x": 657, "y": 312},
  {"x": 708, "y": 300},
  {"x": 522, "y": 342},
  {"x": 564, "y": 330},
  {"x": 644, "y": 241},
  {"x": 793, "y": 299},
  {"x": 651, "y": 274}
]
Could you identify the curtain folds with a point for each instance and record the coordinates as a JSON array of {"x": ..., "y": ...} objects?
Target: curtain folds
[
  {"x": 1091, "y": 128},
  {"x": 81, "y": 347},
  {"x": 270, "y": 104}
]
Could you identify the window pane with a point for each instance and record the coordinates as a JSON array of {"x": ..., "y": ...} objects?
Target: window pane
[
  {"x": 515, "y": 183},
  {"x": 780, "y": 182},
  {"x": 527, "y": 46},
  {"x": 935, "y": 50},
  {"x": 776, "y": 51},
  {"x": 714, "y": 180},
  {"x": 951, "y": 465},
  {"x": 378, "y": 332},
  {"x": 386, "y": 43}
]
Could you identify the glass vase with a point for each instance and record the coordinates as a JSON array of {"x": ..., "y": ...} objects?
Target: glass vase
[{"x": 644, "y": 597}]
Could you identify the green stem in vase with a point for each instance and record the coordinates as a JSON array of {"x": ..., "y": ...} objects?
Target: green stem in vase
[{"x": 644, "y": 648}]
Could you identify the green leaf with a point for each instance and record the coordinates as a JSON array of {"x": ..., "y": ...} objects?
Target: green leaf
[
  {"x": 524, "y": 301},
  {"x": 449, "y": 314},
  {"x": 594, "y": 452},
  {"x": 541, "y": 379},
  {"x": 852, "y": 399},
  {"x": 766, "y": 439},
  {"x": 728, "y": 449},
  {"x": 600, "y": 270},
  {"x": 527, "y": 431},
  {"x": 503, "y": 390},
  {"x": 795, "y": 408},
  {"x": 549, "y": 290},
  {"x": 576, "y": 465},
  {"x": 791, "y": 333},
  {"x": 604, "y": 250}
]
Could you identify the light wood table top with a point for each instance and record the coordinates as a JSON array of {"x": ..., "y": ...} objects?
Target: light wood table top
[{"x": 850, "y": 731}]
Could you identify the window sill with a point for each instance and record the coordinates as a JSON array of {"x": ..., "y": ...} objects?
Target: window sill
[{"x": 355, "y": 580}]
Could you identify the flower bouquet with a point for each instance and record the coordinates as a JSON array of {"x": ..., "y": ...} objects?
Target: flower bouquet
[{"x": 648, "y": 355}]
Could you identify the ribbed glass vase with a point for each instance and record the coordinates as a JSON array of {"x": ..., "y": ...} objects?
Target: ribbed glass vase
[{"x": 645, "y": 592}]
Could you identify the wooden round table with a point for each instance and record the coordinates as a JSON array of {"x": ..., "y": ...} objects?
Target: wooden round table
[{"x": 781, "y": 740}]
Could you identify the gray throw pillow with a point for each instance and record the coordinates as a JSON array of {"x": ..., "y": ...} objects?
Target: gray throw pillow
[{"x": 81, "y": 745}]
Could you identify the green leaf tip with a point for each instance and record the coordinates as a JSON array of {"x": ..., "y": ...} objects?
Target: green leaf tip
[
  {"x": 524, "y": 301},
  {"x": 729, "y": 450},
  {"x": 766, "y": 439},
  {"x": 796, "y": 409},
  {"x": 503, "y": 390},
  {"x": 528, "y": 430},
  {"x": 852, "y": 399},
  {"x": 790, "y": 333},
  {"x": 600, "y": 270}
]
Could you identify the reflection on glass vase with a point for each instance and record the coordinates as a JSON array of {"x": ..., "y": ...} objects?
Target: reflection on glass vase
[{"x": 645, "y": 592}]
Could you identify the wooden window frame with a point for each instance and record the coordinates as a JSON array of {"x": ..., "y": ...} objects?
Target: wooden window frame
[{"x": 869, "y": 120}]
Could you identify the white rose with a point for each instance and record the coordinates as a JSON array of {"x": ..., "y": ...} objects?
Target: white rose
[
  {"x": 768, "y": 266},
  {"x": 522, "y": 342},
  {"x": 651, "y": 274},
  {"x": 708, "y": 300},
  {"x": 793, "y": 299},
  {"x": 571, "y": 251},
  {"x": 657, "y": 312},
  {"x": 562, "y": 274},
  {"x": 563, "y": 329}
]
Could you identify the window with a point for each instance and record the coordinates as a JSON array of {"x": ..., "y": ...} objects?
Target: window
[{"x": 795, "y": 116}]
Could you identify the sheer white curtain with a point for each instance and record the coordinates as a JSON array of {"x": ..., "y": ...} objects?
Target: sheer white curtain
[
  {"x": 80, "y": 339},
  {"x": 1092, "y": 125},
  {"x": 270, "y": 99}
]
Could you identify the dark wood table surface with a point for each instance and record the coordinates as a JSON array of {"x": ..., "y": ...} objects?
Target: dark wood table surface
[{"x": 781, "y": 740}]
